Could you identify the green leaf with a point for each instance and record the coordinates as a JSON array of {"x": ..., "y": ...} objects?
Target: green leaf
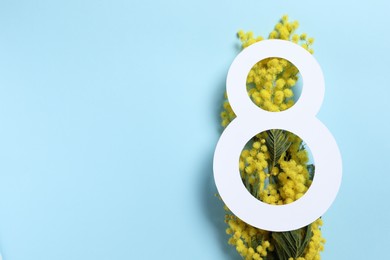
[
  {"x": 306, "y": 240},
  {"x": 283, "y": 248},
  {"x": 311, "y": 170},
  {"x": 277, "y": 143},
  {"x": 292, "y": 243}
]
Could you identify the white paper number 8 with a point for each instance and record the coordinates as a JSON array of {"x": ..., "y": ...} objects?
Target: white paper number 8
[{"x": 300, "y": 119}]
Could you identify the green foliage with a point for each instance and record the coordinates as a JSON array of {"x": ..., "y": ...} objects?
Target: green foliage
[
  {"x": 311, "y": 170},
  {"x": 292, "y": 243},
  {"x": 277, "y": 143}
]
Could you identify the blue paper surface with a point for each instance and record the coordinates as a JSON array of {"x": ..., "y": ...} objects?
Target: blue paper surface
[{"x": 109, "y": 116}]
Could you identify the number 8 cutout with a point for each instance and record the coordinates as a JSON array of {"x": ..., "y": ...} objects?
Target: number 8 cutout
[{"x": 299, "y": 119}]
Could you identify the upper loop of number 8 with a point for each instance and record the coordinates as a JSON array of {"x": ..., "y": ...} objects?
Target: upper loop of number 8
[{"x": 299, "y": 119}]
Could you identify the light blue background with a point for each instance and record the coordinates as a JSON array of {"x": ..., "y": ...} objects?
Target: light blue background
[{"x": 109, "y": 115}]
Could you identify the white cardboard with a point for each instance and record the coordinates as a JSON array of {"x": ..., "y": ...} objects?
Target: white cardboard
[{"x": 299, "y": 119}]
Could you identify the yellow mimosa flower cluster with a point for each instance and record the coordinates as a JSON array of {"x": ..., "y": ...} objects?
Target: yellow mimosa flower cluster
[
  {"x": 270, "y": 81},
  {"x": 270, "y": 85}
]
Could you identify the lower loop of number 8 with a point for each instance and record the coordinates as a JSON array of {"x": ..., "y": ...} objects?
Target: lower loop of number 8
[{"x": 300, "y": 119}]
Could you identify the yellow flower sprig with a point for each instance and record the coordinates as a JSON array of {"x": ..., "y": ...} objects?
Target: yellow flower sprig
[{"x": 274, "y": 178}]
